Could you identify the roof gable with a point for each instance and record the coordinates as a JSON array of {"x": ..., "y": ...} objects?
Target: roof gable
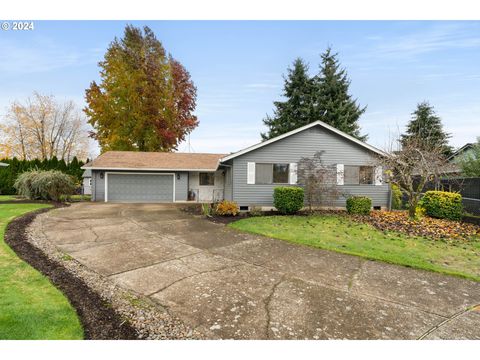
[{"x": 296, "y": 131}]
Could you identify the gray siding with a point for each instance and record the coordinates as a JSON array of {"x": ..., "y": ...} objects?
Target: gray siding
[
  {"x": 98, "y": 186},
  {"x": 87, "y": 189},
  {"x": 181, "y": 186},
  {"x": 228, "y": 185},
  {"x": 304, "y": 144}
]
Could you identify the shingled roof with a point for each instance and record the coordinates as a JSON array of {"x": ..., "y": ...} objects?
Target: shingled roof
[{"x": 154, "y": 161}]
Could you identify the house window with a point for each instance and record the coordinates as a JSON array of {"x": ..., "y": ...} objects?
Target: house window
[
  {"x": 207, "y": 179},
  {"x": 358, "y": 175},
  {"x": 271, "y": 173}
]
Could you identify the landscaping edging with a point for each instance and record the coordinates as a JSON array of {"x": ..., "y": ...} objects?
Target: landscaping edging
[{"x": 106, "y": 310}]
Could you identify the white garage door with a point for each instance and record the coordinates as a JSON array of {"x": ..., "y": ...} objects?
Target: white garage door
[{"x": 140, "y": 187}]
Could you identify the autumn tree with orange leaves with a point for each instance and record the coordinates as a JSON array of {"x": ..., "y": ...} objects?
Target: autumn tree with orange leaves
[{"x": 145, "y": 100}]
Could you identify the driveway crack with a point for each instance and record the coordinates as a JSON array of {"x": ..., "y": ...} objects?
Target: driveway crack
[
  {"x": 191, "y": 276},
  {"x": 446, "y": 321},
  {"x": 157, "y": 263},
  {"x": 267, "y": 302}
]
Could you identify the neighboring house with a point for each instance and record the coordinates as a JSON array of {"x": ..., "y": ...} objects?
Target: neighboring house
[
  {"x": 87, "y": 182},
  {"x": 465, "y": 150},
  {"x": 247, "y": 176},
  {"x": 452, "y": 166}
]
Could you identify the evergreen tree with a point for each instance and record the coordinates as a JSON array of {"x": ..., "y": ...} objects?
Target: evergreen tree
[
  {"x": 332, "y": 102},
  {"x": 427, "y": 126},
  {"x": 296, "y": 110}
]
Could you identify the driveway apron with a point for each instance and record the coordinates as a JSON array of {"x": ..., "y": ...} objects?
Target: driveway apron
[{"x": 228, "y": 284}]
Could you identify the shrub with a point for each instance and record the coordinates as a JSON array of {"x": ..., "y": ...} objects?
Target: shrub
[
  {"x": 420, "y": 212},
  {"x": 396, "y": 197},
  {"x": 360, "y": 205},
  {"x": 207, "y": 210},
  {"x": 443, "y": 205},
  {"x": 227, "y": 208},
  {"x": 8, "y": 175},
  {"x": 288, "y": 199},
  {"x": 255, "y": 211},
  {"x": 44, "y": 185}
]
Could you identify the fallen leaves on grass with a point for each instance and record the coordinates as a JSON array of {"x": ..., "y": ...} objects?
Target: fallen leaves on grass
[{"x": 426, "y": 226}]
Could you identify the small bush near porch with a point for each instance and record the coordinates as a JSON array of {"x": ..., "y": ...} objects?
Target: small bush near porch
[{"x": 355, "y": 236}]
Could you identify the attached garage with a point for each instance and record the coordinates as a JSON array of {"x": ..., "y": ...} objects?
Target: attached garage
[
  {"x": 151, "y": 177},
  {"x": 139, "y": 187}
]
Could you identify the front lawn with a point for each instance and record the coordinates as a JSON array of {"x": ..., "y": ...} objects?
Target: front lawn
[
  {"x": 77, "y": 198},
  {"x": 30, "y": 306},
  {"x": 8, "y": 197},
  {"x": 339, "y": 233}
]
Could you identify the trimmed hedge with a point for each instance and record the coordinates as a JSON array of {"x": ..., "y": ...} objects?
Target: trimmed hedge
[
  {"x": 44, "y": 185},
  {"x": 443, "y": 205},
  {"x": 9, "y": 174},
  {"x": 227, "y": 208},
  {"x": 288, "y": 199},
  {"x": 360, "y": 205}
]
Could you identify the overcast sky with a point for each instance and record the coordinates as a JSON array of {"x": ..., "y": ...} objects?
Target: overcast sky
[{"x": 238, "y": 67}]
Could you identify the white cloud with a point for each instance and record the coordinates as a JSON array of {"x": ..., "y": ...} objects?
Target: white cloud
[
  {"x": 42, "y": 55},
  {"x": 444, "y": 37}
]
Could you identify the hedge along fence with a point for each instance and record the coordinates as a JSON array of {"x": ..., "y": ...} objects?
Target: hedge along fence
[
  {"x": 288, "y": 199},
  {"x": 443, "y": 205},
  {"x": 44, "y": 185},
  {"x": 9, "y": 174}
]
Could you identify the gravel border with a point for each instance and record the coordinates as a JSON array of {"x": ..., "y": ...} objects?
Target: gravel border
[{"x": 148, "y": 319}]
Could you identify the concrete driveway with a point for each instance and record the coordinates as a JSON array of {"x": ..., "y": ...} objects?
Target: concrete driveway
[{"x": 232, "y": 285}]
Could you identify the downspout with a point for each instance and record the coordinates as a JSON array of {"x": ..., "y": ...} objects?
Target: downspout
[{"x": 231, "y": 179}]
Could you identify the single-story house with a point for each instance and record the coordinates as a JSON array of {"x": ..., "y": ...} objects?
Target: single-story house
[
  {"x": 87, "y": 182},
  {"x": 464, "y": 151},
  {"x": 453, "y": 167},
  {"x": 247, "y": 176}
]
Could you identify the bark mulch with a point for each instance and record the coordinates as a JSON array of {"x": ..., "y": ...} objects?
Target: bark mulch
[{"x": 99, "y": 320}]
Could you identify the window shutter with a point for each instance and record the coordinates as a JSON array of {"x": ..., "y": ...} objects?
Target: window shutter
[
  {"x": 250, "y": 173},
  {"x": 340, "y": 174},
  {"x": 378, "y": 175},
  {"x": 293, "y": 173}
]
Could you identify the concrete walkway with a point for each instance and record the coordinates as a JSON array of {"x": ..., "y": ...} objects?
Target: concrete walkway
[{"x": 228, "y": 284}]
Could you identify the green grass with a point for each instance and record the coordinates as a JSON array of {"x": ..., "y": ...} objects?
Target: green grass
[
  {"x": 30, "y": 306},
  {"x": 77, "y": 198},
  {"x": 8, "y": 197},
  {"x": 343, "y": 235}
]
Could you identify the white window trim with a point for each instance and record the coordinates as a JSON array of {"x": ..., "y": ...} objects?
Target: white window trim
[
  {"x": 137, "y": 173},
  {"x": 340, "y": 174},
  {"x": 292, "y": 174},
  {"x": 378, "y": 174},
  {"x": 251, "y": 173}
]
